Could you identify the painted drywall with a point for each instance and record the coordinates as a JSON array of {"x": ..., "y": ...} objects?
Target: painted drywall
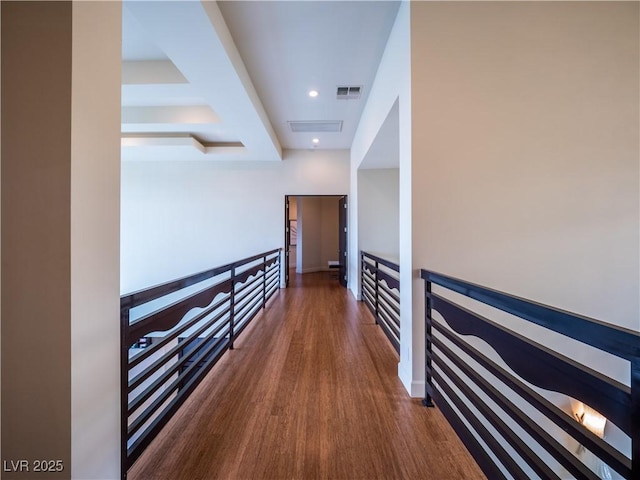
[
  {"x": 183, "y": 217},
  {"x": 95, "y": 240},
  {"x": 525, "y": 161},
  {"x": 318, "y": 220},
  {"x": 61, "y": 241},
  {"x": 329, "y": 230},
  {"x": 391, "y": 86},
  {"x": 541, "y": 198},
  {"x": 310, "y": 229},
  {"x": 36, "y": 249},
  {"x": 0, "y": 224},
  {"x": 391, "y": 89},
  {"x": 379, "y": 212}
]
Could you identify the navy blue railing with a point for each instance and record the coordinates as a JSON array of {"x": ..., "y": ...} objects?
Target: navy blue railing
[
  {"x": 461, "y": 374},
  {"x": 172, "y": 335},
  {"x": 380, "y": 291}
]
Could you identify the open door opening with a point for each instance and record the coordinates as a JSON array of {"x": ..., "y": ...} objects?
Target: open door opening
[
  {"x": 315, "y": 236},
  {"x": 287, "y": 238},
  {"x": 342, "y": 242}
]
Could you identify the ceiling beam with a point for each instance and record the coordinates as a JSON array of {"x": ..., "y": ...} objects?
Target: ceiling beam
[
  {"x": 183, "y": 114},
  {"x": 144, "y": 72},
  {"x": 195, "y": 38}
]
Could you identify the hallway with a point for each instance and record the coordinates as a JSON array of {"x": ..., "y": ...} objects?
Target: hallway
[{"x": 310, "y": 391}]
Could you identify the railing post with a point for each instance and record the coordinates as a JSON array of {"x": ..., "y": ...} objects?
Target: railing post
[
  {"x": 635, "y": 418},
  {"x": 361, "y": 275},
  {"x": 232, "y": 306},
  {"x": 377, "y": 293},
  {"x": 428, "y": 398},
  {"x": 264, "y": 282},
  {"x": 124, "y": 391}
]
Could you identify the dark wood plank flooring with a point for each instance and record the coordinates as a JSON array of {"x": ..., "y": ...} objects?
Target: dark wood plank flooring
[{"x": 310, "y": 392}]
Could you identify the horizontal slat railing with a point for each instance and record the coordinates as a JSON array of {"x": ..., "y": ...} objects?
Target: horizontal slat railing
[
  {"x": 529, "y": 435},
  {"x": 185, "y": 328},
  {"x": 380, "y": 290}
]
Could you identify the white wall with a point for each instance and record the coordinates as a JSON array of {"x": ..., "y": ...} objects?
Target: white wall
[
  {"x": 318, "y": 232},
  {"x": 526, "y": 168},
  {"x": 183, "y": 217},
  {"x": 63, "y": 190},
  {"x": 525, "y": 159},
  {"x": 95, "y": 213},
  {"x": 310, "y": 230},
  {"x": 541, "y": 199},
  {"x": 379, "y": 212},
  {"x": 523, "y": 174},
  {"x": 392, "y": 84},
  {"x": 329, "y": 225},
  {"x": 0, "y": 230}
]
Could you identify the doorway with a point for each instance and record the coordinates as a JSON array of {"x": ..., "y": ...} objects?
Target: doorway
[{"x": 315, "y": 234}]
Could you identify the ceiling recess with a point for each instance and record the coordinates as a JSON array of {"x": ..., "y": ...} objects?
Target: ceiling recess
[
  {"x": 316, "y": 126},
  {"x": 348, "y": 92}
]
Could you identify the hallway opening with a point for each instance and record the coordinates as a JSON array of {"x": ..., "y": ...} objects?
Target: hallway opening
[
  {"x": 310, "y": 391},
  {"x": 315, "y": 233}
]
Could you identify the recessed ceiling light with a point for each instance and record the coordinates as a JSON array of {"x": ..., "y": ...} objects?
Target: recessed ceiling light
[
  {"x": 316, "y": 140},
  {"x": 313, "y": 93}
]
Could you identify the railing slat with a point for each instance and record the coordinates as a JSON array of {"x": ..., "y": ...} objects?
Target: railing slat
[
  {"x": 168, "y": 390},
  {"x": 151, "y": 369},
  {"x": 510, "y": 464},
  {"x": 388, "y": 317},
  {"x": 390, "y": 281},
  {"x": 194, "y": 354},
  {"x": 145, "y": 439},
  {"x": 147, "y": 352},
  {"x": 484, "y": 461},
  {"x": 378, "y": 291},
  {"x": 135, "y": 299},
  {"x": 246, "y": 286},
  {"x": 390, "y": 336},
  {"x": 390, "y": 306},
  {"x": 568, "y": 460},
  {"x": 610, "y": 338},
  {"x": 602, "y": 449},
  {"x": 169, "y": 316},
  {"x": 534, "y": 363},
  {"x": 541, "y": 366},
  {"x": 382, "y": 261}
]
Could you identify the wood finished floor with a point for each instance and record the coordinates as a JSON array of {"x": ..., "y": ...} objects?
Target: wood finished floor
[{"x": 310, "y": 392}]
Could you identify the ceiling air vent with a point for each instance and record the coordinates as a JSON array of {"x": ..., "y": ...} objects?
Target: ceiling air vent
[
  {"x": 315, "y": 126},
  {"x": 346, "y": 92}
]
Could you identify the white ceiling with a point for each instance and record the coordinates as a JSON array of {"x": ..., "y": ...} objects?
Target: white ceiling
[{"x": 220, "y": 81}]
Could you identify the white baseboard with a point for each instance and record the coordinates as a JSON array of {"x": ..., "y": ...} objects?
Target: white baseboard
[
  {"x": 355, "y": 294},
  {"x": 415, "y": 388}
]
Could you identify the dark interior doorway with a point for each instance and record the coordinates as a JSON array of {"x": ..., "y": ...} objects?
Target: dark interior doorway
[
  {"x": 332, "y": 258},
  {"x": 342, "y": 240}
]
